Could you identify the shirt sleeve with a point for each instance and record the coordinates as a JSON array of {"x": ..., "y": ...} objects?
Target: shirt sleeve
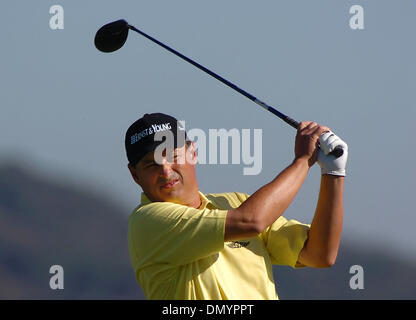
[
  {"x": 284, "y": 240},
  {"x": 174, "y": 234}
]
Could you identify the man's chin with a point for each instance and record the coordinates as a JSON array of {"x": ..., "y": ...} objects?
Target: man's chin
[{"x": 171, "y": 195}]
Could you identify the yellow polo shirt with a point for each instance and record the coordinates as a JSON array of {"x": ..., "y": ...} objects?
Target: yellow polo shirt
[{"x": 178, "y": 252}]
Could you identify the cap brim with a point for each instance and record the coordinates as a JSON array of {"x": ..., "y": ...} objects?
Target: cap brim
[{"x": 148, "y": 148}]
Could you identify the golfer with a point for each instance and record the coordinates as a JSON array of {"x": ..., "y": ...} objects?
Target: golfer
[{"x": 185, "y": 244}]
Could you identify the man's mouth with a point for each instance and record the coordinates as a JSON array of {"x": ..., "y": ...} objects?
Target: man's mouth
[{"x": 170, "y": 184}]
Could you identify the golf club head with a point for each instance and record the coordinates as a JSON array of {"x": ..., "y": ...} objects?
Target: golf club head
[{"x": 112, "y": 36}]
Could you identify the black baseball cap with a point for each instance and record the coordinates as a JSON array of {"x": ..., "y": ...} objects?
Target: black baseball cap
[{"x": 140, "y": 136}]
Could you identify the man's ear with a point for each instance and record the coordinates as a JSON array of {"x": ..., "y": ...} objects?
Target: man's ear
[
  {"x": 193, "y": 157},
  {"x": 134, "y": 174}
]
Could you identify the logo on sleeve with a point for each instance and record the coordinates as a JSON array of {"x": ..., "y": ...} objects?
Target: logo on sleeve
[{"x": 238, "y": 244}]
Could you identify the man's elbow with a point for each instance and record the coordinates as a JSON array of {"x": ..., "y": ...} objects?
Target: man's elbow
[
  {"x": 259, "y": 226},
  {"x": 326, "y": 261},
  {"x": 325, "y": 264},
  {"x": 315, "y": 257},
  {"x": 238, "y": 226},
  {"x": 320, "y": 261}
]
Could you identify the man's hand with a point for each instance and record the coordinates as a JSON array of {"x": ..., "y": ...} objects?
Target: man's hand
[
  {"x": 328, "y": 163},
  {"x": 307, "y": 141}
]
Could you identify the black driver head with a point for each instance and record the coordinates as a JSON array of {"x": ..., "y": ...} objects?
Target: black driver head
[{"x": 112, "y": 36}]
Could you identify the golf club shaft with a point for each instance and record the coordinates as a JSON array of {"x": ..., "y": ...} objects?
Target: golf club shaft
[{"x": 282, "y": 116}]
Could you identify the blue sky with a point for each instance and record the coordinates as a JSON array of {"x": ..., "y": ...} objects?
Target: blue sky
[{"x": 65, "y": 106}]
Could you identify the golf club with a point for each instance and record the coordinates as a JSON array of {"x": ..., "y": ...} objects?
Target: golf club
[{"x": 112, "y": 37}]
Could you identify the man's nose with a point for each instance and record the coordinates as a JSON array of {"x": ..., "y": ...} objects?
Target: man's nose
[{"x": 166, "y": 168}]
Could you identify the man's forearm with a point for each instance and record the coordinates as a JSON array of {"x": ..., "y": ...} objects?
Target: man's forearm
[
  {"x": 324, "y": 236},
  {"x": 268, "y": 203}
]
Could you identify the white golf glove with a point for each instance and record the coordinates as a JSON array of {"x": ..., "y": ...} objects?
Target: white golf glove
[{"x": 329, "y": 164}]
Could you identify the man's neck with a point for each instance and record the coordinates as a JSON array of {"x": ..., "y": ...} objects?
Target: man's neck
[{"x": 196, "y": 202}]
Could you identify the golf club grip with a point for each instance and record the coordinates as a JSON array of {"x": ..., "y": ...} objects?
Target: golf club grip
[
  {"x": 337, "y": 152},
  {"x": 284, "y": 117}
]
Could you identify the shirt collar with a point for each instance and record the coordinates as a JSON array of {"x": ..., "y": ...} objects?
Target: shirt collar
[
  {"x": 204, "y": 201},
  {"x": 144, "y": 199}
]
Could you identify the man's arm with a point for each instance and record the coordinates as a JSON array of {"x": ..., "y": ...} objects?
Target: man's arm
[
  {"x": 268, "y": 203},
  {"x": 321, "y": 248}
]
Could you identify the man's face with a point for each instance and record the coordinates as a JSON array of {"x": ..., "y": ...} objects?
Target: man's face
[{"x": 170, "y": 178}]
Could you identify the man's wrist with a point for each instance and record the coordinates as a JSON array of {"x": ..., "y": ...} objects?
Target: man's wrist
[
  {"x": 301, "y": 161},
  {"x": 331, "y": 177},
  {"x": 333, "y": 183},
  {"x": 339, "y": 173}
]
